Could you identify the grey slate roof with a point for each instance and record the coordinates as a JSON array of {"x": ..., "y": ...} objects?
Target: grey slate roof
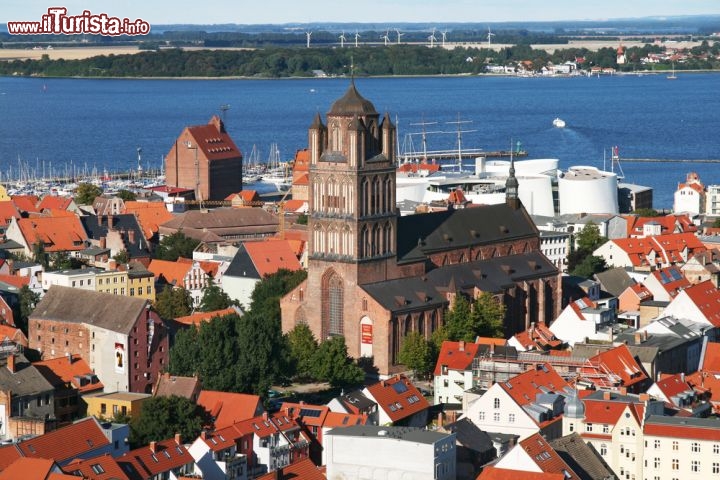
[
  {"x": 491, "y": 275},
  {"x": 582, "y": 458},
  {"x": 124, "y": 223},
  {"x": 422, "y": 234},
  {"x": 104, "y": 310},
  {"x": 241, "y": 265},
  {"x": 614, "y": 281},
  {"x": 27, "y": 380},
  {"x": 470, "y": 436}
]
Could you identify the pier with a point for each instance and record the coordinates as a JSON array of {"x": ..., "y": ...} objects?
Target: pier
[{"x": 443, "y": 156}]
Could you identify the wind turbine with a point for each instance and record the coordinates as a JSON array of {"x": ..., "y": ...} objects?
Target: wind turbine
[
  {"x": 386, "y": 37},
  {"x": 398, "y": 35},
  {"x": 444, "y": 36},
  {"x": 342, "y": 40},
  {"x": 489, "y": 36},
  {"x": 308, "y": 34},
  {"x": 357, "y": 35},
  {"x": 432, "y": 38}
]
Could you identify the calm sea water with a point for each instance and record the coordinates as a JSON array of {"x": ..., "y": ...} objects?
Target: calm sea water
[{"x": 101, "y": 123}]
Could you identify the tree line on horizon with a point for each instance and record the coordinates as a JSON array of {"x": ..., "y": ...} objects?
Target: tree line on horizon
[{"x": 368, "y": 61}]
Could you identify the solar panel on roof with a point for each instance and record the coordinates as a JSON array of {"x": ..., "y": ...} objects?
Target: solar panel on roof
[
  {"x": 400, "y": 387},
  {"x": 676, "y": 275},
  {"x": 307, "y": 412}
]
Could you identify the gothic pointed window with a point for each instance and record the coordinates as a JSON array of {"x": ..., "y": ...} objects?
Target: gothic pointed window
[{"x": 333, "y": 304}]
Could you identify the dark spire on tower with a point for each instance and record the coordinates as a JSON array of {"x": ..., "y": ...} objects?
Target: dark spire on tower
[{"x": 511, "y": 186}]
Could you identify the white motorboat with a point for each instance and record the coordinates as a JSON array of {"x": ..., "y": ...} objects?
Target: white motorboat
[{"x": 559, "y": 123}]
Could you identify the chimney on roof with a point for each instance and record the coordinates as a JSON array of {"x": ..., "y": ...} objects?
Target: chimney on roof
[
  {"x": 440, "y": 419},
  {"x": 99, "y": 220},
  {"x": 644, "y": 397},
  {"x": 492, "y": 349},
  {"x": 607, "y": 396},
  {"x": 153, "y": 446},
  {"x": 645, "y": 335},
  {"x": 178, "y": 439},
  {"x": 131, "y": 235},
  {"x": 638, "y": 338},
  {"x": 110, "y": 222},
  {"x": 203, "y": 435},
  {"x": 265, "y": 415},
  {"x": 461, "y": 345},
  {"x": 69, "y": 357},
  {"x": 623, "y": 390},
  {"x": 11, "y": 363}
]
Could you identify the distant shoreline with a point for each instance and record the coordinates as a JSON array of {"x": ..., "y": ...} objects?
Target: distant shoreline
[{"x": 678, "y": 73}]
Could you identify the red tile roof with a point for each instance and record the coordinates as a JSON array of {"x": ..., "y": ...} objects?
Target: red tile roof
[
  {"x": 711, "y": 361},
  {"x": 398, "y": 397},
  {"x": 8, "y": 210},
  {"x": 270, "y": 256},
  {"x": 59, "y": 234},
  {"x": 688, "y": 431},
  {"x": 265, "y": 425},
  {"x": 525, "y": 387},
  {"x": 671, "y": 385},
  {"x": 545, "y": 457},
  {"x": 26, "y": 203},
  {"x": 706, "y": 298},
  {"x": 28, "y": 469},
  {"x": 416, "y": 167},
  {"x": 641, "y": 291},
  {"x": 498, "y": 342},
  {"x": 207, "y": 266},
  {"x": 338, "y": 419},
  {"x": 667, "y": 248},
  {"x": 669, "y": 224},
  {"x": 620, "y": 362},
  {"x": 294, "y": 205},
  {"x": 707, "y": 383},
  {"x": 150, "y": 215},
  {"x": 200, "y": 317},
  {"x": 13, "y": 334},
  {"x": 495, "y": 473},
  {"x": 70, "y": 370},
  {"x": 456, "y": 356},
  {"x": 68, "y": 442},
  {"x": 15, "y": 280},
  {"x": 173, "y": 272},
  {"x": 157, "y": 458},
  {"x": 89, "y": 468},
  {"x": 304, "y": 469},
  {"x": 214, "y": 141},
  {"x": 8, "y": 454},
  {"x": 229, "y": 408},
  {"x": 538, "y": 337},
  {"x": 671, "y": 279},
  {"x": 54, "y": 202}
]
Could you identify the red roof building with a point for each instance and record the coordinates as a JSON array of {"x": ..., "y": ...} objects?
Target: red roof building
[
  {"x": 700, "y": 303},
  {"x": 614, "y": 369},
  {"x": 158, "y": 460},
  {"x": 270, "y": 256},
  {"x": 536, "y": 454},
  {"x": 206, "y": 159},
  {"x": 496, "y": 473},
  {"x": 304, "y": 469},
  {"x": 84, "y": 438},
  {"x": 655, "y": 251},
  {"x": 666, "y": 283},
  {"x": 630, "y": 299},
  {"x": 150, "y": 215},
  {"x": 399, "y": 402},
  {"x": 199, "y": 317},
  {"x": 227, "y": 408},
  {"x": 57, "y": 234},
  {"x": 710, "y": 362},
  {"x": 26, "y": 203},
  {"x": 536, "y": 337},
  {"x": 639, "y": 227},
  {"x": 104, "y": 467}
]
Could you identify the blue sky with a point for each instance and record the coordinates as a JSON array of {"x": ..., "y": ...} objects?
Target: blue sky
[{"x": 378, "y": 11}]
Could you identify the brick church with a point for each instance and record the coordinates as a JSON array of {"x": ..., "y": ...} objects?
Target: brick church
[{"x": 374, "y": 276}]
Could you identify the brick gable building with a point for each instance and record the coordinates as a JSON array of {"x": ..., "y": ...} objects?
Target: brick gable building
[{"x": 373, "y": 276}]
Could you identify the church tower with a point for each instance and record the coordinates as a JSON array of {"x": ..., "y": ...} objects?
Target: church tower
[
  {"x": 511, "y": 187},
  {"x": 352, "y": 221}
]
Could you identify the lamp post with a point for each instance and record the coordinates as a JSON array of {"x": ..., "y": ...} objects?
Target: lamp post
[{"x": 198, "y": 196}]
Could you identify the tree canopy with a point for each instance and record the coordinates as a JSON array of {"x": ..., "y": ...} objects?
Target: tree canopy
[
  {"x": 173, "y": 302},
  {"x": 581, "y": 261},
  {"x": 86, "y": 193},
  {"x": 332, "y": 364},
  {"x": 162, "y": 417},
  {"x": 483, "y": 317},
  {"x": 302, "y": 345},
  {"x": 174, "y": 246},
  {"x": 214, "y": 298},
  {"x": 416, "y": 354},
  {"x": 126, "y": 195}
]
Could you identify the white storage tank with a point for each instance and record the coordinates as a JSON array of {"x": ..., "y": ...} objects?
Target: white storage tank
[{"x": 584, "y": 189}]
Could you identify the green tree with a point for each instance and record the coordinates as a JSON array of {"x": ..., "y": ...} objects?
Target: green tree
[
  {"x": 589, "y": 238},
  {"x": 173, "y": 302},
  {"x": 647, "y": 212},
  {"x": 162, "y": 417},
  {"x": 27, "y": 301},
  {"x": 122, "y": 257},
  {"x": 589, "y": 266},
  {"x": 175, "y": 246},
  {"x": 214, "y": 298},
  {"x": 416, "y": 354},
  {"x": 263, "y": 354},
  {"x": 483, "y": 317},
  {"x": 86, "y": 193},
  {"x": 302, "y": 345},
  {"x": 185, "y": 353},
  {"x": 126, "y": 195},
  {"x": 63, "y": 261},
  {"x": 39, "y": 254},
  {"x": 716, "y": 223},
  {"x": 333, "y": 365}
]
